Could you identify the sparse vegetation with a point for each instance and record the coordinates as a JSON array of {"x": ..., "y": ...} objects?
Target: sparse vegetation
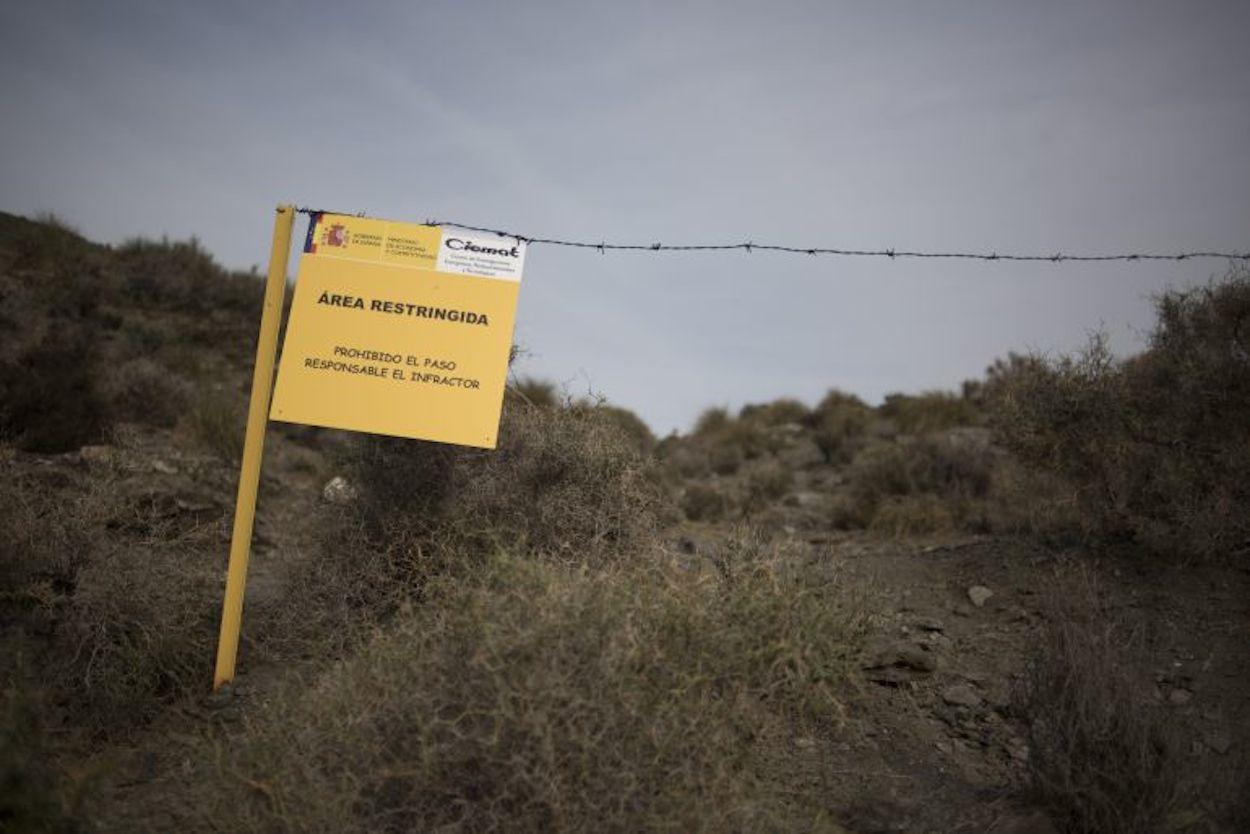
[
  {"x": 1101, "y": 757},
  {"x": 1157, "y": 447},
  {"x": 215, "y": 421},
  {"x": 838, "y": 422},
  {"x": 929, "y": 412},
  {"x": 543, "y": 697}
]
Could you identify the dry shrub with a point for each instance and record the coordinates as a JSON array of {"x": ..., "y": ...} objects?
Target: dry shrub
[
  {"x": 1102, "y": 758},
  {"x": 536, "y": 392},
  {"x": 143, "y": 391},
  {"x": 565, "y": 484},
  {"x": 838, "y": 423},
  {"x": 776, "y": 413},
  {"x": 711, "y": 421},
  {"x": 720, "y": 444},
  {"x": 35, "y": 796},
  {"x": 121, "y": 628},
  {"x": 1158, "y": 447},
  {"x": 949, "y": 468},
  {"x": 765, "y": 484},
  {"x": 138, "y": 633},
  {"x": 1030, "y": 502},
  {"x": 182, "y": 276},
  {"x": 50, "y": 287},
  {"x": 701, "y": 502},
  {"x": 911, "y": 515},
  {"x": 551, "y": 698},
  {"x": 929, "y": 412},
  {"x": 631, "y": 425},
  {"x": 49, "y": 395},
  {"x": 215, "y": 421}
]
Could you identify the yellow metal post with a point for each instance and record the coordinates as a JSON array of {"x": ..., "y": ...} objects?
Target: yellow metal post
[{"x": 253, "y": 446}]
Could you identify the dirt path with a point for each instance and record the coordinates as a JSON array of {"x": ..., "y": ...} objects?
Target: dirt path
[{"x": 933, "y": 743}]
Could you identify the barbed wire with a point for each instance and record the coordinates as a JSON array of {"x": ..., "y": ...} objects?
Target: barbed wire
[{"x": 603, "y": 247}]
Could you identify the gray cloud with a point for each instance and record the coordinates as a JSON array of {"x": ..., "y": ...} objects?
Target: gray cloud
[{"x": 1026, "y": 126}]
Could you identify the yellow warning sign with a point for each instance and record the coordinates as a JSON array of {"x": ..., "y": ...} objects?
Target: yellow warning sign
[{"x": 400, "y": 329}]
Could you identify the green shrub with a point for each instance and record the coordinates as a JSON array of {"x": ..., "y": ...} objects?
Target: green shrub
[
  {"x": 1157, "y": 447},
  {"x": 550, "y": 698}
]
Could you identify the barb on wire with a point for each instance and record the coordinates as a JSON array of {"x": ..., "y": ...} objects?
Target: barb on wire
[{"x": 604, "y": 247}]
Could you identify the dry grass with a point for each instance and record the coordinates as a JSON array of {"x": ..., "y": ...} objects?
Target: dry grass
[
  {"x": 1102, "y": 757},
  {"x": 546, "y": 697},
  {"x": 120, "y": 627},
  {"x": 215, "y": 422}
]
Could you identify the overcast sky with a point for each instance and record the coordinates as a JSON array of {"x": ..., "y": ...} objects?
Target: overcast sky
[{"x": 1008, "y": 126}]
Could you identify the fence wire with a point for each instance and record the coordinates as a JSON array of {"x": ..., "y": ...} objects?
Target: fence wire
[{"x": 749, "y": 246}]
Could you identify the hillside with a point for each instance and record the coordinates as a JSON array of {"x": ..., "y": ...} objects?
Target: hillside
[{"x": 1021, "y": 607}]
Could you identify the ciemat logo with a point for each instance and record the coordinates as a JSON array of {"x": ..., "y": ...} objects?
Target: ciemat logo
[{"x": 335, "y": 235}]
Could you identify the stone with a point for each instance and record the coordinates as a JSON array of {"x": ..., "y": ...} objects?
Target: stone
[
  {"x": 1179, "y": 697},
  {"x": 901, "y": 654},
  {"x": 929, "y": 624},
  {"x": 896, "y": 662},
  {"x": 164, "y": 468},
  {"x": 963, "y": 609},
  {"x": 979, "y": 594},
  {"x": 961, "y": 695},
  {"x": 338, "y": 491}
]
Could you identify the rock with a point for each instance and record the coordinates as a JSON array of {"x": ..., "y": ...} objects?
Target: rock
[
  {"x": 979, "y": 594},
  {"x": 1179, "y": 697},
  {"x": 961, "y": 695},
  {"x": 164, "y": 468},
  {"x": 963, "y": 609},
  {"x": 895, "y": 662},
  {"x": 901, "y": 654},
  {"x": 929, "y": 624},
  {"x": 338, "y": 491}
]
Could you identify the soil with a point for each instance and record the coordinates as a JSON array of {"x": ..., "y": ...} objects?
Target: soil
[{"x": 930, "y": 743}]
